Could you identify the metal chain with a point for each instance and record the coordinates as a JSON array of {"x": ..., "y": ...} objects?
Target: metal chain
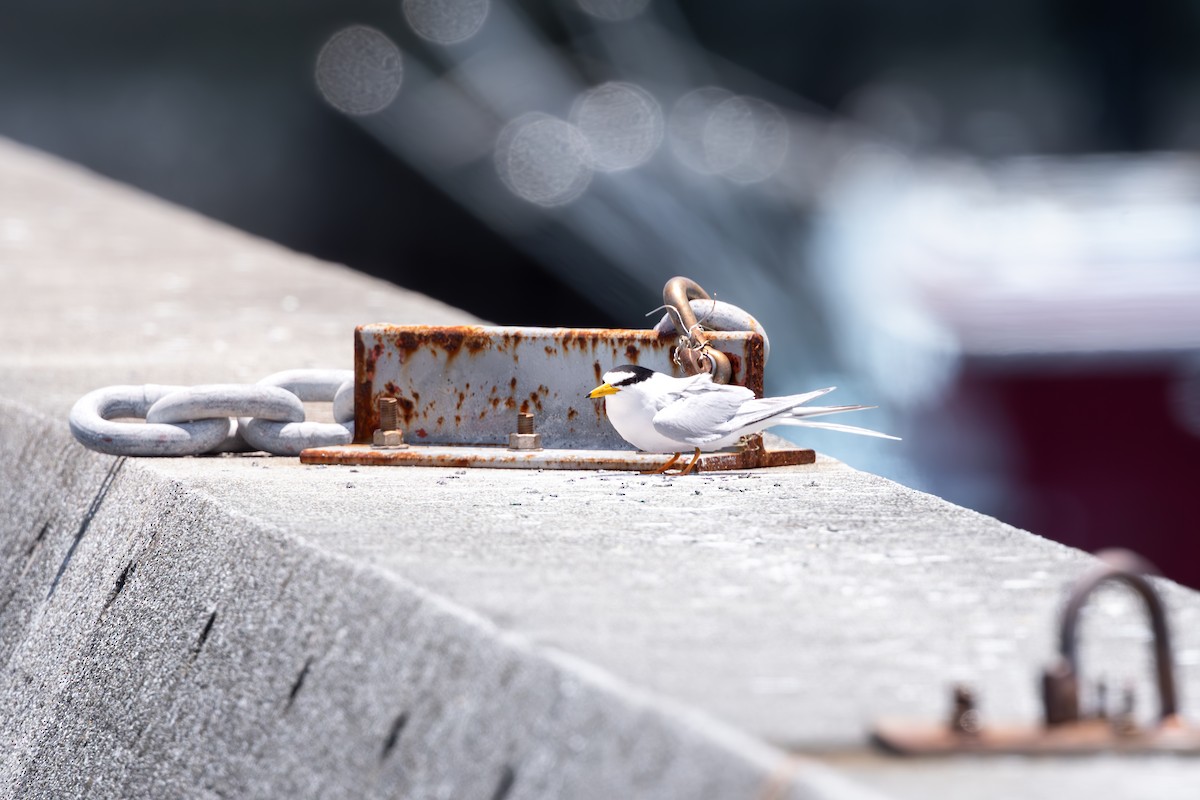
[{"x": 214, "y": 418}]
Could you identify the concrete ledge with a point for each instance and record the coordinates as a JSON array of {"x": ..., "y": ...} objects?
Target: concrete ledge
[
  {"x": 157, "y": 644},
  {"x": 248, "y": 626}
]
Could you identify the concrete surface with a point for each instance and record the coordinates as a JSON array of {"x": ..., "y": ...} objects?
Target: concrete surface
[{"x": 244, "y": 626}]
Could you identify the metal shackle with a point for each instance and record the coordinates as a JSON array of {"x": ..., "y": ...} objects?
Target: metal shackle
[
  {"x": 677, "y": 295},
  {"x": 1060, "y": 683}
]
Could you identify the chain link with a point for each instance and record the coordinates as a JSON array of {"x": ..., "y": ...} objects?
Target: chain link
[
  {"x": 288, "y": 438},
  {"x": 188, "y": 421}
]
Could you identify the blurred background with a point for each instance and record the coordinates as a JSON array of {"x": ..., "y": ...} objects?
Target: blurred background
[{"x": 983, "y": 216}]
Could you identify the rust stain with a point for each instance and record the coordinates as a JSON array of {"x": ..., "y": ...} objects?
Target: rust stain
[
  {"x": 440, "y": 340},
  {"x": 408, "y": 409},
  {"x": 513, "y": 383},
  {"x": 632, "y": 354},
  {"x": 524, "y": 406},
  {"x": 735, "y": 368},
  {"x": 360, "y": 355},
  {"x": 462, "y": 397},
  {"x": 572, "y": 414},
  {"x": 510, "y": 403},
  {"x": 446, "y": 340},
  {"x": 371, "y": 360},
  {"x": 441, "y": 421},
  {"x": 457, "y": 420},
  {"x": 365, "y": 418},
  {"x": 509, "y": 340},
  {"x": 752, "y": 370},
  {"x": 422, "y": 432},
  {"x": 599, "y": 372},
  {"x": 495, "y": 402}
]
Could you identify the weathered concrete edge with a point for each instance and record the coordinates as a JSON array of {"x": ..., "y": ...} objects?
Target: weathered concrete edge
[{"x": 176, "y": 648}]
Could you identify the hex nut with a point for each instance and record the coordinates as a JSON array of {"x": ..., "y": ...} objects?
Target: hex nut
[
  {"x": 393, "y": 439},
  {"x": 524, "y": 441}
]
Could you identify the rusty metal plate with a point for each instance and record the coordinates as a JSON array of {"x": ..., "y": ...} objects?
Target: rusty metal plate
[
  {"x": 1080, "y": 738},
  {"x": 750, "y": 457},
  {"x": 464, "y": 385}
]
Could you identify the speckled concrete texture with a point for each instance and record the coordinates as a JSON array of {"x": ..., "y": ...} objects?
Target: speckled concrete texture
[
  {"x": 246, "y": 626},
  {"x": 159, "y": 643}
]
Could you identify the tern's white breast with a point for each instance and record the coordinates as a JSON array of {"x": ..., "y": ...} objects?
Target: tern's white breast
[{"x": 631, "y": 413}]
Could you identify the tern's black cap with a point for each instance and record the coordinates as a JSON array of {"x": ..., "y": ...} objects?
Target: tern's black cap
[{"x": 636, "y": 374}]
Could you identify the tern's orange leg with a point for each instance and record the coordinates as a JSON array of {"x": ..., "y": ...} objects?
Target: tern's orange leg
[
  {"x": 664, "y": 467},
  {"x": 691, "y": 464}
]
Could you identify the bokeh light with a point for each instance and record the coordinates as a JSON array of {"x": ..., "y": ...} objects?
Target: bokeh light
[
  {"x": 359, "y": 70},
  {"x": 614, "y": 10},
  {"x": 446, "y": 21},
  {"x": 689, "y": 118},
  {"x": 745, "y": 139},
  {"x": 623, "y": 125},
  {"x": 543, "y": 159}
]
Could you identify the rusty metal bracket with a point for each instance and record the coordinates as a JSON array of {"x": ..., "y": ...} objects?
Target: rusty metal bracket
[
  {"x": 1065, "y": 729},
  {"x": 459, "y": 390}
]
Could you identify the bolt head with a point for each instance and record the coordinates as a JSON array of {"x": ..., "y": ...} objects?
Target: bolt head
[
  {"x": 524, "y": 441},
  {"x": 393, "y": 439}
]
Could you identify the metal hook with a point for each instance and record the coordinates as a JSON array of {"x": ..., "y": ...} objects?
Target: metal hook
[
  {"x": 1060, "y": 682},
  {"x": 1064, "y": 731},
  {"x": 678, "y": 293}
]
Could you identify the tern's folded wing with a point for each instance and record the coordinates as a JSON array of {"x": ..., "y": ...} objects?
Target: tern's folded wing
[{"x": 701, "y": 414}]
